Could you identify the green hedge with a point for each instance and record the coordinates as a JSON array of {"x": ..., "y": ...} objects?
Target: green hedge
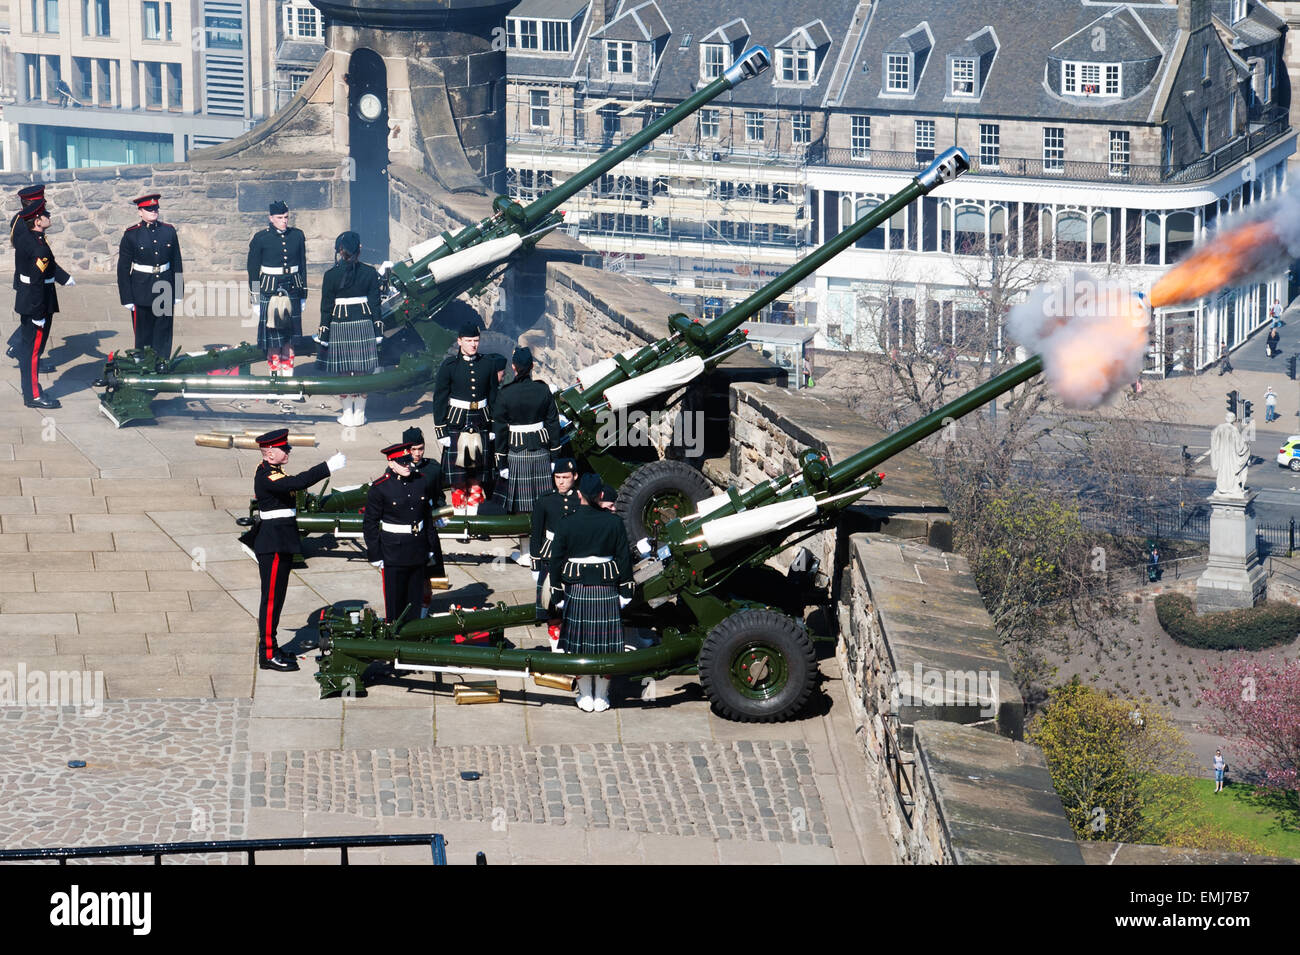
[{"x": 1264, "y": 625}]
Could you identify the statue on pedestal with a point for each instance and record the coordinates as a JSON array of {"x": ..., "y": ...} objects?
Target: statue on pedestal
[{"x": 1229, "y": 454}]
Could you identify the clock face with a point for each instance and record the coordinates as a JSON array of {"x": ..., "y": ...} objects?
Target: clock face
[{"x": 370, "y": 107}]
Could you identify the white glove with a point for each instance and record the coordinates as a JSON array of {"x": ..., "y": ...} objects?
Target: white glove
[
  {"x": 431, "y": 557},
  {"x": 384, "y": 267},
  {"x": 70, "y": 282},
  {"x": 38, "y": 322},
  {"x": 378, "y": 564},
  {"x": 504, "y": 472},
  {"x": 131, "y": 307},
  {"x": 537, "y": 576},
  {"x": 623, "y": 602},
  {"x": 445, "y": 442},
  {"x": 336, "y": 461},
  {"x": 552, "y": 467},
  {"x": 559, "y": 605}
]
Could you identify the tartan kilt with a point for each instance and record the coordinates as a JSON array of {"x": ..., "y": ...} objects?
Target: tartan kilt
[
  {"x": 593, "y": 622},
  {"x": 453, "y": 473},
  {"x": 530, "y": 478},
  {"x": 273, "y": 338},
  {"x": 351, "y": 348}
]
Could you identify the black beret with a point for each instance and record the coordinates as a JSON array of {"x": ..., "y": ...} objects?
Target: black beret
[
  {"x": 348, "y": 242},
  {"x": 468, "y": 330},
  {"x": 589, "y": 486},
  {"x": 279, "y": 208},
  {"x": 566, "y": 464},
  {"x": 522, "y": 359},
  {"x": 413, "y": 436}
]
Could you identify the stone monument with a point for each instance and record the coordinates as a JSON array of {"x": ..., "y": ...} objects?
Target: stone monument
[{"x": 1235, "y": 578}]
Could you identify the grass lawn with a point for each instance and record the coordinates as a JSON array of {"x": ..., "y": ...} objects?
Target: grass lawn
[{"x": 1268, "y": 816}]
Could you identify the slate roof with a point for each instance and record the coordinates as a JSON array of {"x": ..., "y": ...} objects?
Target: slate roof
[
  {"x": 642, "y": 22},
  {"x": 526, "y": 64},
  {"x": 549, "y": 9},
  {"x": 1029, "y": 32},
  {"x": 767, "y": 22}
]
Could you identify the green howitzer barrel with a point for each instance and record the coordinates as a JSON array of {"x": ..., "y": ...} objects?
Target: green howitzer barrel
[
  {"x": 443, "y": 267},
  {"x": 693, "y": 347},
  {"x": 700, "y": 549}
]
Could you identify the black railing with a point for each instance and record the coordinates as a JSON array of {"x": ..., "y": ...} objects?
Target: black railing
[
  {"x": 1186, "y": 523},
  {"x": 1276, "y": 125},
  {"x": 435, "y": 841}
]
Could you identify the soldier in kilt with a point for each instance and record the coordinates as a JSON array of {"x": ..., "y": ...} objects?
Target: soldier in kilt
[
  {"x": 350, "y": 324},
  {"x": 549, "y": 512},
  {"x": 591, "y": 575},
  {"x": 277, "y": 279},
  {"x": 526, "y": 433},
  {"x": 464, "y": 390}
]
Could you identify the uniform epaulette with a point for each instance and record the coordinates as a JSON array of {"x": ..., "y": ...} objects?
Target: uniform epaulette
[
  {"x": 136, "y": 226},
  {"x": 382, "y": 478}
]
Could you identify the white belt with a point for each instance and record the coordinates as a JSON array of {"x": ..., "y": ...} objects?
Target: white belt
[
  {"x": 151, "y": 269},
  {"x": 283, "y": 512},
  {"x": 550, "y": 535},
  {"x": 27, "y": 281},
  {"x": 467, "y": 405},
  {"x": 360, "y": 300},
  {"x": 527, "y": 428},
  {"x": 402, "y": 528},
  {"x": 590, "y": 560},
  {"x": 275, "y": 270}
]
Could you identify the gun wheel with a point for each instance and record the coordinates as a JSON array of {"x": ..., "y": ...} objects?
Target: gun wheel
[
  {"x": 656, "y": 494},
  {"x": 758, "y": 666}
]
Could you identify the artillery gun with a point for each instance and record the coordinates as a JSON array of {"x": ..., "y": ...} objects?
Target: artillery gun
[
  {"x": 435, "y": 273},
  {"x": 651, "y": 492},
  {"x": 703, "y": 585}
]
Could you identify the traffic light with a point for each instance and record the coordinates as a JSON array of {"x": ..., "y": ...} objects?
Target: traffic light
[
  {"x": 1246, "y": 412},
  {"x": 1232, "y": 403},
  {"x": 1290, "y": 366}
]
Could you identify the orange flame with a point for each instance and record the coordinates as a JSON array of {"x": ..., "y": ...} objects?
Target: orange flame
[{"x": 1224, "y": 261}]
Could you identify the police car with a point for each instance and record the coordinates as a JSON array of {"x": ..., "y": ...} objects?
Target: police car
[{"x": 1289, "y": 455}]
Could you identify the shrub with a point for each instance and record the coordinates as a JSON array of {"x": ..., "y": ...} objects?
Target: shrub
[{"x": 1264, "y": 625}]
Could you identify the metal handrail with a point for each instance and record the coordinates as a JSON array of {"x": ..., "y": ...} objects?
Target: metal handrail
[
  {"x": 435, "y": 841},
  {"x": 897, "y": 769}
]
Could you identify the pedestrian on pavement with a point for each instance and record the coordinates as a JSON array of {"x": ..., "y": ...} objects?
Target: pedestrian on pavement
[
  {"x": 1220, "y": 767},
  {"x": 1273, "y": 343},
  {"x": 274, "y": 538},
  {"x": 1275, "y": 313},
  {"x": 1225, "y": 363},
  {"x": 149, "y": 281},
  {"x": 1270, "y": 405},
  {"x": 35, "y": 301}
]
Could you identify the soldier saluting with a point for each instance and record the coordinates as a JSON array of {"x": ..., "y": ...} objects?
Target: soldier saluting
[
  {"x": 526, "y": 427},
  {"x": 463, "y": 390},
  {"x": 149, "y": 280},
  {"x": 401, "y": 539},
  {"x": 274, "y": 538},
  {"x": 35, "y": 300},
  {"x": 277, "y": 277}
]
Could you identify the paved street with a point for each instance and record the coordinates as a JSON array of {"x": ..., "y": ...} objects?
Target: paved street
[{"x": 119, "y": 558}]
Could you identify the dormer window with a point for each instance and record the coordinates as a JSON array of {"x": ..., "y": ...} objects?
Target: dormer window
[
  {"x": 714, "y": 59},
  {"x": 963, "y": 76},
  {"x": 796, "y": 66},
  {"x": 618, "y": 56},
  {"x": 898, "y": 73},
  {"x": 1090, "y": 79}
]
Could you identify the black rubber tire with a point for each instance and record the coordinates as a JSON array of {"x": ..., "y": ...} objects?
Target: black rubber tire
[
  {"x": 775, "y": 633},
  {"x": 657, "y": 479}
]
